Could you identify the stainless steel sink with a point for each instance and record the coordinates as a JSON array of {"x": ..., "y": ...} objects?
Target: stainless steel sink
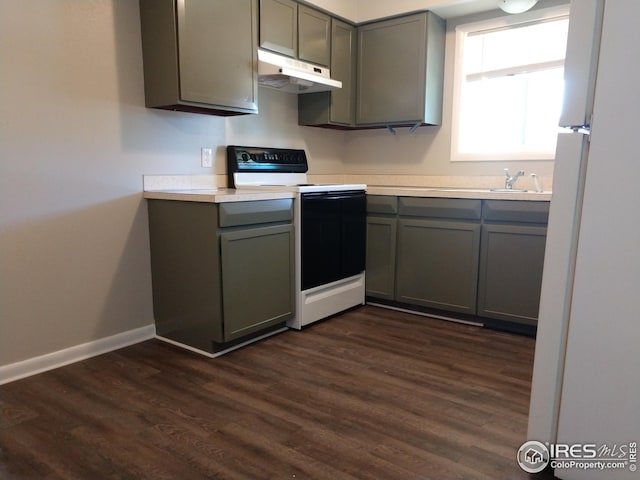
[
  {"x": 458, "y": 189},
  {"x": 479, "y": 190}
]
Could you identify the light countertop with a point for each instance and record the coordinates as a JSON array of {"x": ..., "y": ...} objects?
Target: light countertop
[
  {"x": 216, "y": 195},
  {"x": 209, "y": 188},
  {"x": 222, "y": 195},
  {"x": 444, "y": 192}
]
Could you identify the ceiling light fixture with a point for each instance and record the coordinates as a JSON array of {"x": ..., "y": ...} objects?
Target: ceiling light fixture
[{"x": 516, "y": 6}]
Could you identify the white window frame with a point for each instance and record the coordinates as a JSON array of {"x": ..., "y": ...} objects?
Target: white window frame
[{"x": 460, "y": 33}]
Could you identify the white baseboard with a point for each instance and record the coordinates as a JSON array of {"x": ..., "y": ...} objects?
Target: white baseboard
[
  {"x": 49, "y": 361},
  {"x": 226, "y": 350}
]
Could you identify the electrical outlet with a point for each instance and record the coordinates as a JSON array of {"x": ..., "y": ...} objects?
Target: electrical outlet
[{"x": 206, "y": 157}]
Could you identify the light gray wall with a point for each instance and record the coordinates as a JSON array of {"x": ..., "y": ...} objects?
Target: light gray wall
[
  {"x": 75, "y": 140},
  {"x": 277, "y": 126}
]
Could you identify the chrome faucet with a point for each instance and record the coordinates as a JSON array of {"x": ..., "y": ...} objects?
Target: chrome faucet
[{"x": 511, "y": 179}]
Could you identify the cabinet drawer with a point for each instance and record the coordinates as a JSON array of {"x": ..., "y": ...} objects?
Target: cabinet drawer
[
  {"x": 382, "y": 204},
  {"x": 451, "y": 208},
  {"x": 233, "y": 214},
  {"x": 515, "y": 211}
]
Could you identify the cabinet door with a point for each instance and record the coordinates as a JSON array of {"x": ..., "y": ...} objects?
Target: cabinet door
[
  {"x": 381, "y": 257},
  {"x": 337, "y": 107},
  {"x": 438, "y": 264},
  {"x": 511, "y": 262},
  {"x": 343, "y": 68},
  {"x": 214, "y": 70},
  {"x": 314, "y": 43},
  {"x": 257, "y": 278},
  {"x": 279, "y": 26},
  {"x": 391, "y": 70}
]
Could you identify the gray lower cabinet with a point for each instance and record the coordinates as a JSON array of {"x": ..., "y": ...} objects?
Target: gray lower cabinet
[
  {"x": 221, "y": 272},
  {"x": 185, "y": 67},
  {"x": 400, "y": 71},
  {"x": 437, "y": 253},
  {"x": 255, "y": 261},
  {"x": 477, "y": 257},
  {"x": 336, "y": 108},
  {"x": 511, "y": 260},
  {"x": 381, "y": 246}
]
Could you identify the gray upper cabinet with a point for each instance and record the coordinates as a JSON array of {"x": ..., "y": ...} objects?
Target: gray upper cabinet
[
  {"x": 335, "y": 108},
  {"x": 279, "y": 26},
  {"x": 295, "y": 30},
  {"x": 314, "y": 30},
  {"x": 189, "y": 62},
  {"x": 400, "y": 71}
]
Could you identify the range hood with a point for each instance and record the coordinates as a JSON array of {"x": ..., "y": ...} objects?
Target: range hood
[{"x": 293, "y": 76}]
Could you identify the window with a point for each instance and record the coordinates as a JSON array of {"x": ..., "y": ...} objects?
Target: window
[{"x": 508, "y": 87}]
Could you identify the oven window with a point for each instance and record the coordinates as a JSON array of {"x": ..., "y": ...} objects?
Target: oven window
[{"x": 333, "y": 236}]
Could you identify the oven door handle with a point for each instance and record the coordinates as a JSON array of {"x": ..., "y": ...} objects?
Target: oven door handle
[{"x": 332, "y": 195}]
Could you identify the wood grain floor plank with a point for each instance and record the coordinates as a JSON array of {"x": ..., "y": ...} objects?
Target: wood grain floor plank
[{"x": 368, "y": 394}]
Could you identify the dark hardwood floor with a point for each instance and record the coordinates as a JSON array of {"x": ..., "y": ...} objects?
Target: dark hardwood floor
[{"x": 369, "y": 394}]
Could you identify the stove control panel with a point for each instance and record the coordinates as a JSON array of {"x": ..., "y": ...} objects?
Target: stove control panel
[{"x": 264, "y": 159}]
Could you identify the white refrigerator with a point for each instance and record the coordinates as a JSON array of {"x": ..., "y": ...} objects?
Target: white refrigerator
[{"x": 586, "y": 378}]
